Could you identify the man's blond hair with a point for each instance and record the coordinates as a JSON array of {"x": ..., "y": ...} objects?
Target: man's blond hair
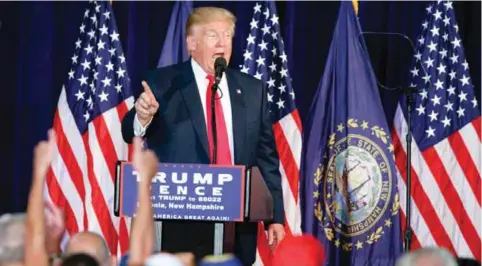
[{"x": 203, "y": 15}]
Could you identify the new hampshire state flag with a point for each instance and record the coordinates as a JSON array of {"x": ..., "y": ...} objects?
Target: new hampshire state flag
[{"x": 349, "y": 185}]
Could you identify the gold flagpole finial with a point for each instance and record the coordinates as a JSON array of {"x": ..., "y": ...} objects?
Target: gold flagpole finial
[{"x": 355, "y": 6}]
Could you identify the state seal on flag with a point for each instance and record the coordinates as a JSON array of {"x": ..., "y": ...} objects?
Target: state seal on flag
[
  {"x": 356, "y": 180},
  {"x": 358, "y": 185}
]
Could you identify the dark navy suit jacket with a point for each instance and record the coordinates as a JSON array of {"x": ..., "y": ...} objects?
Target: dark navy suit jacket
[{"x": 178, "y": 132}]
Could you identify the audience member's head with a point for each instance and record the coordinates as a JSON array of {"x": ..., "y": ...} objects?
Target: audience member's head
[
  {"x": 80, "y": 259},
  {"x": 222, "y": 260},
  {"x": 304, "y": 250},
  {"x": 186, "y": 259},
  {"x": 164, "y": 259},
  {"x": 427, "y": 256},
  {"x": 92, "y": 244},
  {"x": 468, "y": 262},
  {"x": 12, "y": 239}
]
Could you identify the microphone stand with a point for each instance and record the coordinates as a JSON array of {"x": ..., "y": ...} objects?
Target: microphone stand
[
  {"x": 219, "y": 226},
  {"x": 409, "y": 91}
]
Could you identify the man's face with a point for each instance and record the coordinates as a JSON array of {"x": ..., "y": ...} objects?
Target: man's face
[{"x": 210, "y": 41}]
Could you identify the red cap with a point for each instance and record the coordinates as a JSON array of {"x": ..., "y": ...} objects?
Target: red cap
[{"x": 304, "y": 250}]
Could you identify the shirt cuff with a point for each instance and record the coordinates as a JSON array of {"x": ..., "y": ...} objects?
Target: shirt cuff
[{"x": 139, "y": 130}]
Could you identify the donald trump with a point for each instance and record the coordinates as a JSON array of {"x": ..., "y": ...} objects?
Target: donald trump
[{"x": 173, "y": 115}]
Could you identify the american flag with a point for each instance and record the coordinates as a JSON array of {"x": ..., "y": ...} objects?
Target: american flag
[
  {"x": 266, "y": 60},
  {"x": 91, "y": 105},
  {"x": 446, "y": 143}
]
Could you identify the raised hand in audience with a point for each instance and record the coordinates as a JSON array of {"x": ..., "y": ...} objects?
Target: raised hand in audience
[
  {"x": 35, "y": 248},
  {"x": 55, "y": 226},
  {"x": 141, "y": 245}
]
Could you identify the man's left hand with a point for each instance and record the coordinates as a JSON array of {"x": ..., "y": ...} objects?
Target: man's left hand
[{"x": 276, "y": 233}]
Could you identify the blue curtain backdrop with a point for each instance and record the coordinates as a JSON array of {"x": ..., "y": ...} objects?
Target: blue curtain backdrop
[{"x": 37, "y": 41}]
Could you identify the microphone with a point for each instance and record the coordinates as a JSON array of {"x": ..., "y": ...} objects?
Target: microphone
[{"x": 219, "y": 68}]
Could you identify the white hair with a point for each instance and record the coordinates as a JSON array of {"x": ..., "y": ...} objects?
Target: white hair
[
  {"x": 12, "y": 238},
  {"x": 102, "y": 254},
  {"x": 163, "y": 259},
  {"x": 427, "y": 254}
]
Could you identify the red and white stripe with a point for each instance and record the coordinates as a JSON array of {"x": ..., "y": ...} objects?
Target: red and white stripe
[
  {"x": 287, "y": 133},
  {"x": 81, "y": 178},
  {"x": 446, "y": 189}
]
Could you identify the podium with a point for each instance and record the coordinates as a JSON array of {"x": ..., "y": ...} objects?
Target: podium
[{"x": 222, "y": 195}]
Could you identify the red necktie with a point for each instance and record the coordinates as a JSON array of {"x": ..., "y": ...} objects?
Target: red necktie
[{"x": 223, "y": 154}]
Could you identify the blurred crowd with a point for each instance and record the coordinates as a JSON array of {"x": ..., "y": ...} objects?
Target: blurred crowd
[{"x": 34, "y": 238}]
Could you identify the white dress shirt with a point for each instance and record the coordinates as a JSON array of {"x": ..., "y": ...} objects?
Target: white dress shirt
[{"x": 202, "y": 84}]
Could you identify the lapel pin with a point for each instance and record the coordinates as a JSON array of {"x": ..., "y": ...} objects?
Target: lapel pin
[{"x": 238, "y": 91}]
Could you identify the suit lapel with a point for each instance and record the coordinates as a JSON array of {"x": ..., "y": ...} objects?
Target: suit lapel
[
  {"x": 190, "y": 93},
  {"x": 188, "y": 87},
  {"x": 238, "y": 111}
]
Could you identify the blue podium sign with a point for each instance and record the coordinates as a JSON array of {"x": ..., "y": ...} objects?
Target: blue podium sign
[{"x": 188, "y": 192}]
